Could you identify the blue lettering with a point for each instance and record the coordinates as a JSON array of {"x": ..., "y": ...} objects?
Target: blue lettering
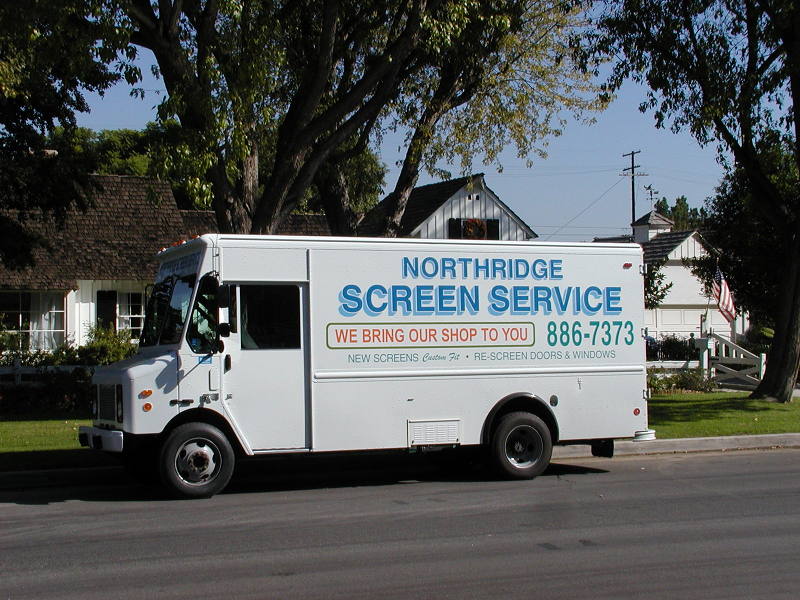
[
  {"x": 612, "y": 301},
  {"x": 350, "y": 300},
  {"x": 555, "y": 269},
  {"x": 370, "y": 307},
  {"x": 400, "y": 298},
  {"x": 498, "y": 300},
  {"x": 410, "y": 267},
  {"x": 445, "y": 300},
  {"x": 562, "y": 299},
  {"x": 468, "y": 300},
  {"x": 541, "y": 296},
  {"x": 430, "y": 268},
  {"x": 449, "y": 268},
  {"x": 423, "y": 297},
  {"x": 588, "y": 307}
]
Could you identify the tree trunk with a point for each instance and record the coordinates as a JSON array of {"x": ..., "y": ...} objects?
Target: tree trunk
[
  {"x": 784, "y": 355},
  {"x": 335, "y": 198}
]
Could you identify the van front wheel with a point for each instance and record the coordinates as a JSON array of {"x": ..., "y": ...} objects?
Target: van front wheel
[
  {"x": 521, "y": 446},
  {"x": 196, "y": 461}
]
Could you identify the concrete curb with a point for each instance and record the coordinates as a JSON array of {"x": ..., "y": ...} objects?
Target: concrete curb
[{"x": 685, "y": 445}]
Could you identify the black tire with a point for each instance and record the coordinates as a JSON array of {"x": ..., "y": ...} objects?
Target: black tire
[
  {"x": 521, "y": 446},
  {"x": 196, "y": 461}
]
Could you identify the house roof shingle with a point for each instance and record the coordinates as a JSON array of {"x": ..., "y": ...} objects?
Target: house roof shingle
[
  {"x": 117, "y": 237},
  {"x": 422, "y": 202},
  {"x": 304, "y": 224},
  {"x": 659, "y": 247},
  {"x": 653, "y": 218}
]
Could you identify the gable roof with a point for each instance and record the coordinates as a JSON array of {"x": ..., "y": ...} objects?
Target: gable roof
[
  {"x": 660, "y": 247},
  {"x": 127, "y": 221},
  {"x": 653, "y": 218},
  {"x": 422, "y": 203}
]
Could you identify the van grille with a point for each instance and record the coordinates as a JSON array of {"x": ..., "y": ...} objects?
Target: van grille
[{"x": 107, "y": 402}]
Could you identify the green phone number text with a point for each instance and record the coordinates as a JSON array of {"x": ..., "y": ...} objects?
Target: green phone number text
[{"x": 595, "y": 333}]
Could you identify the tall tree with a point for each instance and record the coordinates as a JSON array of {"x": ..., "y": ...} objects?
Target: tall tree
[
  {"x": 682, "y": 216},
  {"x": 273, "y": 97},
  {"x": 748, "y": 248},
  {"x": 507, "y": 80},
  {"x": 49, "y": 54},
  {"x": 286, "y": 84},
  {"x": 729, "y": 71}
]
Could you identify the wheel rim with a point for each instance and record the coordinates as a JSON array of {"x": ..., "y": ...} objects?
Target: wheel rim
[
  {"x": 198, "y": 461},
  {"x": 524, "y": 446}
]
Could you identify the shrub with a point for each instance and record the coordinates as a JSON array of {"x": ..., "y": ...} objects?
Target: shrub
[
  {"x": 105, "y": 346},
  {"x": 659, "y": 381},
  {"x": 672, "y": 347}
]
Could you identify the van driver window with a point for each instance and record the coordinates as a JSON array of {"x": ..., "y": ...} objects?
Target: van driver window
[{"x": 270, "y": 316}]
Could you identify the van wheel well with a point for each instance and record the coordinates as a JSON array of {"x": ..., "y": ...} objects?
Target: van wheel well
[
  {"x": 202, "y": 415},
  {"x": 516, "y": 403}
]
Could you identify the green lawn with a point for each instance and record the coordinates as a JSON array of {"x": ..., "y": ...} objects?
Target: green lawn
[
  {"x": 27, "y": 444},
  {"x": 27, "y": 436},
  {"x": 715, "y": 414}
]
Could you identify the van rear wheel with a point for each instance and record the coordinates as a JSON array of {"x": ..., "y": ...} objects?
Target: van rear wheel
[
  {"x": 521, "y": 446},
  {"x": 196, "y": 461}
]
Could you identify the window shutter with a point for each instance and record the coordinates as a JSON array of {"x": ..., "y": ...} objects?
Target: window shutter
[
  {"x": 454, "y": 229},
  {"x": 107, "y": 309},
  {"x": 492, "y": 229}
]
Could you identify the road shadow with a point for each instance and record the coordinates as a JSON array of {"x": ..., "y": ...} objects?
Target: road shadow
[{"x": 264, "y": 475}]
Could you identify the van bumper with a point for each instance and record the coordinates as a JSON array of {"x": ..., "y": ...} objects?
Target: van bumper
[{"x": 100, "y": 439}]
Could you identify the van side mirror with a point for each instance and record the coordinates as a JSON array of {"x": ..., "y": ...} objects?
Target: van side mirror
[
  {"x": 224, "y": 330},
  {"x": 223, "y": 296}
]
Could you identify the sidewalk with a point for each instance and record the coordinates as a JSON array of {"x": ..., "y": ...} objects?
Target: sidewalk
[{"x": 685, "y": 445}]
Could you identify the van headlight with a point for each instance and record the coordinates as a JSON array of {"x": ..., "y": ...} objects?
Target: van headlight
[{"x": 118, "y": 395}]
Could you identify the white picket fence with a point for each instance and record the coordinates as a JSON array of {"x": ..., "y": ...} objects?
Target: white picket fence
[{"x": 731, "y": 365}]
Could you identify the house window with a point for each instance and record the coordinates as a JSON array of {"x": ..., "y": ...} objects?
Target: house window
[
  {"x": 32, "y": 320},
  {"x": 131, "y": 313},
  {"x": 473, "y": 229},
  {"x": 120, "y": 311}
]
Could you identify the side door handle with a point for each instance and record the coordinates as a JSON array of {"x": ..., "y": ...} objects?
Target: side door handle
[
  {"x": 180, "y": 402},
  {"x": 227, "y": 363}
]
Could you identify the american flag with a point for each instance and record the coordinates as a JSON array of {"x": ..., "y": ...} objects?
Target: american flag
[{"x": 722, "y": 294}]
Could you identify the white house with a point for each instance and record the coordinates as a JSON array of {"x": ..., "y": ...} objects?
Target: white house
[
  {"x": 463, "y": 208},
  {"x": 686, "y": 303},
  {"x": 95, "y": 267}
]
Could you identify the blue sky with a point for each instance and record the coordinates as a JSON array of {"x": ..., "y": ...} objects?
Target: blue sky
[{"x": 574, "y": 194}]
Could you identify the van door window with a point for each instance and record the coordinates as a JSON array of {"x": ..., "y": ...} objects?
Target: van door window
[
  {"x": 270, "y": 316},
  {"x": 202, "y": 331}
]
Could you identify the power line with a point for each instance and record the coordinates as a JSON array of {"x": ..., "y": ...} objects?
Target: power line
[{"x": 591, "y": 204}]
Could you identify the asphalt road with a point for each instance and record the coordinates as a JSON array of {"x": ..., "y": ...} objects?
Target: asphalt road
[{"x": 717, "y": 525}]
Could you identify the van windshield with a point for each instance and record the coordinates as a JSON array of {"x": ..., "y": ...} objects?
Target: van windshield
[{"x": 167, "y": 309}]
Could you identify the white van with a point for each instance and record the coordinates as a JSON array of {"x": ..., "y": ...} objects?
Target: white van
[{"x": 264, "y": 344}]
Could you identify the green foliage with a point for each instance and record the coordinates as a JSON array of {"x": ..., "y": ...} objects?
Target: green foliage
[
  {"x": 727, "y": 71},
  {"x": 661, "y": 381},
  {"x": 750, "y": 249},
  {"x": 103, "y": 347},
  {"x": 682, "y": 217},
  {"x": 106, "y": 346},
  {"x": 50, "y": 54},
  {"x": 655, "y": 289}
]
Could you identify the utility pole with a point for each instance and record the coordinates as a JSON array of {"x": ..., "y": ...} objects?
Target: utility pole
[{"x": 632, "y": 175}]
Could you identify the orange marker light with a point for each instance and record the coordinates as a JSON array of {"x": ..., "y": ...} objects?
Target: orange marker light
[
  {"x": 145, "y": 394},
  {"x": 147, "y": 407}
]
